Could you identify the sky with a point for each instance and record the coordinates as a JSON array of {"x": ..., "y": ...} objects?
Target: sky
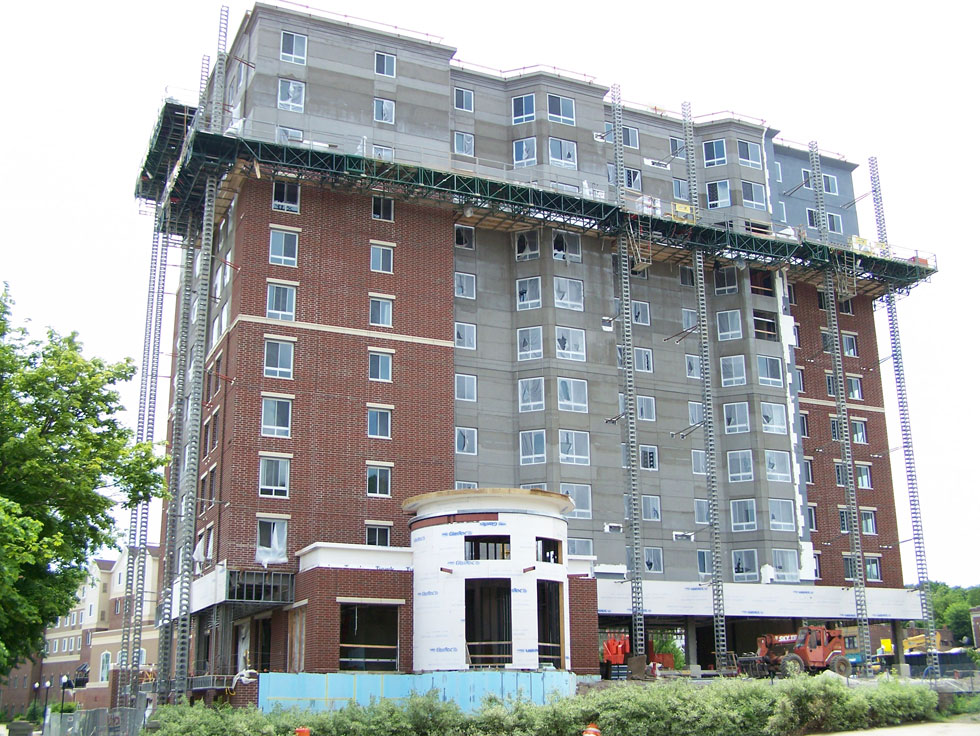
[{"x": 862, "y": 78}]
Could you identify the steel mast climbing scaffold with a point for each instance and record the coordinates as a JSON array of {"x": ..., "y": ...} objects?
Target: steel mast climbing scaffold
[
  {"x": 905, "y": 422},
  {"x": 836, "y": 279}
]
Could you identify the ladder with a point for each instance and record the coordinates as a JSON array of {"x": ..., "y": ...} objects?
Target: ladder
[
  {"x": 844, "y": 422},
  {"x": 905, "y": 422}
]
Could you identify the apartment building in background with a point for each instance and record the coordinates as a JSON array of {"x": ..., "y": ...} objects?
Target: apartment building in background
[{"x": 432, "y": 341}]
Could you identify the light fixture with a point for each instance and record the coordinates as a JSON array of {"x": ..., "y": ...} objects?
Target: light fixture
[
  {"x": 740, "y": 263},
  {"x": 613, "y": 420},
  {"x": 468, "y": 211},
  {"x": 607, "y": 324}
]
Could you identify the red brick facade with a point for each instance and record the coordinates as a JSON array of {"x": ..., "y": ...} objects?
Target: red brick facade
[
  {"x": 584, "y": 623},
  {"x": 819, "y": 406}
]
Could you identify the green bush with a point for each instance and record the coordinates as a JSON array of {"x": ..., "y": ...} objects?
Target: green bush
[
  {"x": 963, "y": 704},
  {"x": 799, "y": 705},
  {"x": 64, "y": 708}
]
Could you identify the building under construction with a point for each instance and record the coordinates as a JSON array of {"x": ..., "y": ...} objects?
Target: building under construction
[{"x": 470, "y": 366}]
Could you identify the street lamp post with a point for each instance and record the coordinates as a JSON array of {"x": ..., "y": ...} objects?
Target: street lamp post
[
  {"x": 64, "y": 686},
  {"x": 47, "y": 688},
  {"x": 37, "y": 687}
]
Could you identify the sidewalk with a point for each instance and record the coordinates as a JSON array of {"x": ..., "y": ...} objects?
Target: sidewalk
[{"x": 961, "y": 726}]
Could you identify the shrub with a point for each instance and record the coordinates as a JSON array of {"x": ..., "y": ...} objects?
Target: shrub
[{"x": 963, "y": 704}]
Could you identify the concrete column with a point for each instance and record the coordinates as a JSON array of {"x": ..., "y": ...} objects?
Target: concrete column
[
  {"x": 691, "y": 641},
  {"x": 898, "y": 636}
]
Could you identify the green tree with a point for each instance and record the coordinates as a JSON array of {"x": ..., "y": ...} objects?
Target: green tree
[
  {"x": 958, "y": 621},
  {"x": 61, "y": 444}
]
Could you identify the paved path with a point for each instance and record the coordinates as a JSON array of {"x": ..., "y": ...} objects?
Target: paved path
[{"x": 963, "y": 726}]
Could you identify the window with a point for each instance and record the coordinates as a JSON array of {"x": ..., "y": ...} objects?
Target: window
[
  {"x": 570, "y": 294},
  {"x": 292, "y": 48},
  {"x": 529, "y": 293},
  {"x": 846, "y": 306},
  {"x": 573, "y": 394},
  {"x": 278, "y": 359},
  {"x": 687, "y": 276},
  {"x": 384, "y": 153},
  {"x": 831, "y": 384},
  {"x": 271, "y": 543},
  {"x": 532, "y": 447},
  {"x": 465, "y": 441},
  {"x": 368, "y": 636},
  {"x": 695, "y": 412},
  {"x": 808, "y": 470},
  {"x": 530, "y": 394},
  {"x": 811, "y": 517},
  {"x": 726, "y": 280},
  {"x": 689, "y": 320},
  {"x": 677, "y": 148},
  {"x": 869, "y": 522},
  {"x": 285, "y": 136},
  {"x": 563, "y": 153},
  {"x": 641, "y": 313},
  {"x": 573, "y": 447},
  {"x": 465, "y": 336},
  {"x": 526, "y": 246},
  {"x": 382, "y": 208},
  {"x": 736, "y": 418},
  {"x": 570, "y": 343},
  {"x": 529, "y": 343},
  {"x": 579, "y": 546},
  {"x": 743, "y": 515},
  {"x": 840, "y": 474},
  {"x": 274, "y": 477},
  {"x": 714, "y": 153},
  {"x": 834, "y": 223},
  {"x": 384, "y": 111},
  {"x": 682, "y": 193},
  {"x": 463, "y": 99},
  {"x": 105, "y": 662},
  {"x": 379, "y": 423},
  {"x": 378, "y": 481},
  {"x": 764, "y": 325},
  {"x": 653, "y": 559},
  {"x": 829, "y": 184},
  {"x": 566, "y": 246},
  {"x": 701, "y": 511},
  {"x": 786, "y": 565},
  {"x": 561, "y": 110},
  {"x": 855, "y": 389},
  {"x": 292, "y": 95},
  {"x": 733, "y": 370},
  {"x": 753, "y": 195},
  {"x": 872, "y": 567},
  {"x": 465, "y": 387},
  {"x": 285, "y": 196},
  {"x": 650, "y": 506},
  {"x": 804, "y": 424},
  {"x": 729, "y": 325},
  {"x": 465, "y": 285},
  {"x": 862, "y": 476},
  {"x": 773, "y": 418},
  {"x": 631, "y": 137},
  {"x": 781, "y": 515},
  {"x": 859, "y": 431},
  {"x": 525, "y": 152},
  {"x": 282, "y": 247},
  {"x": 276, "y": 417},
  {"x": 649, "y": 457},
  {"x": 381, "y": 257},
  {"x": 770, "y": 370},
  {"x": 692, "y": 365},
  {"x": 704, "y": 565},
  {"x": 646, "y": 408},
  {"x": 643, "y": 360},
  {"x": 379, "y": 366},
  {"x": 463, "y": 236},
  {"x": 750, "y": 154},
  {"x": 384, "y": 64},
  {"x": 718, "y": 194},
  {"x": 699, "y": 465},
  {"x": 523, "y": 109},
  {"x": 380, "y": 312},
  {"x": 377, "y": 536},
  {"x": 777, "y": 466},
  {"x": 463, "y": 144},
  {"x": 780, "y": 213},
  {"x": 581, "y": 495},
  {"x": 739, "y": 466},
  {"x": 631, "y": 177},
  {"x": 465, "y": 484},
  {"x": 745, "y": 566}
]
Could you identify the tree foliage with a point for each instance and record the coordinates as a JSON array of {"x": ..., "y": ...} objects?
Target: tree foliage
[{"x": 61, "y": 444}]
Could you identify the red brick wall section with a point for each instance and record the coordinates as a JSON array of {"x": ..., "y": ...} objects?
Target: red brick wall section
[
  {"x": 828, "y": 539},
  {"x": 584, "y": 624},
  {"x": 329, "y": 443},
  {"x": 321, "y": 587}
]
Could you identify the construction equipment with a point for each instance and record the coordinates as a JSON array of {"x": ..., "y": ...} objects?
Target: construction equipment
[{"x": 812, "y": 649}]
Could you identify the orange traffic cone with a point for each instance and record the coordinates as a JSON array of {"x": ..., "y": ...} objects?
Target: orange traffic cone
[{"x": 591, "y": 730}]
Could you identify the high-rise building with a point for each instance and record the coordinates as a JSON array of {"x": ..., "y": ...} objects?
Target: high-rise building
[{"x": 400, "y": 277}]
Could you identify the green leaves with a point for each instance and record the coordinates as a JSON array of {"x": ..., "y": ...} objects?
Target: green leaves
[{"x": 61, "y": 445}]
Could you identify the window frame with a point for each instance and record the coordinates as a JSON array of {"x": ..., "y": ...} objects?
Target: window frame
[
  {"x": 561, "y": 115},
  {"x": 527, "y": 158},
  {"x": 729, "y": 333},
  {"x": 382, "y": 206},
  {"x": 749, "y": 200},
  {"x": 578, "y": 388},
  {"x": 464, "y": 144},
  {"x": 281, "y": 258},
  {"x": 462, "y": 341},
  {"x": 379, "y": 423},
  {"x": 381, "y": 311},
  {"x": 574, "y": 456},
  {"x": 722, "y": 194},
  {"x": 461, "y": 278},
  {"x": 282, "y": 201},
  {"x": 379, "y": 472},
  {"x": 385, "y": 257},
  {"x": 736, "y": 417},
  {"x": 532, "y": 404},
  {"x": 456, "y": 99},
  {"x": 748, "y": 161},
  {"x": 274, "y": 490},
  {"x": 578, "y": 513},
  {"x": 381, "y": 69},
  {"x": 748, "y": 575},
  {"x": 535, "y": 337},
  {"x": 536, "y": 454},
  {"x": 532, "y": 245},
  {"x": 651, "y": 556},
  {"x": 274, "y": 404},
  {"x": 730, "y": 362},
  {"x": 290, "y": 57},
  {"x": 467, "y": 384},
  {"x": 570, "y": 286},
  {"x": 531, "y": 284},
  {"x": 287, "y": 103},
  {"x": 771, "y": 469},
  {"x": 654, "y": 506},
  {"x": 566, "y": 354},
  {"x": 384, "y": 359},
  {"x": 649, "y": 457},
  {"x": 740, "y": 475},
  {"x": 466, "y": 432},
  {"x": 766, "y": 378},
  {"x": 714, "y": 159},
  {"x": 564, "y": 146},
  {"x": 381, "y": 108},
  {"x": 778, "y": 412},
  {"x": 524, "y": 116},
  {"x": 277, "y": 370}
]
